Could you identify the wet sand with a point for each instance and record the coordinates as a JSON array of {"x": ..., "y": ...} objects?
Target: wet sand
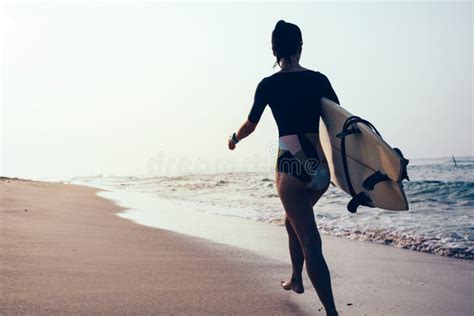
[
  {"x": 70, "y": 253},
  {"x": 64, "y": 251}
]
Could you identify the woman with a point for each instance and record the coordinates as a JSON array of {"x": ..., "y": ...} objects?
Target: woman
[{"x": 294, "y": 96}]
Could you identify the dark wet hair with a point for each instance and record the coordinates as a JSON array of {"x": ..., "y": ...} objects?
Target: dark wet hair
[{"x": 286, "y": 41}]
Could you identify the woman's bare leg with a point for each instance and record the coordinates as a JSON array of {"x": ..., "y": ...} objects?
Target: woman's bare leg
[
  {"x": 296, "y": 253},
  {"x": 298, "y": 200},
  {"x": 295, "y": 283}
]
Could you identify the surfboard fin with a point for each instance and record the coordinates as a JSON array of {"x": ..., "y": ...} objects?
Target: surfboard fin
[
  {"x": 358, "y": 200},
  {"x": 404, "y": 163}
]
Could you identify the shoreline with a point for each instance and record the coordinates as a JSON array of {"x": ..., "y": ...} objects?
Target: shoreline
[
  {"x": 136, "y": 214},
  {"x": 434, "y": 225},
  {"x": 372, "y": 278}
]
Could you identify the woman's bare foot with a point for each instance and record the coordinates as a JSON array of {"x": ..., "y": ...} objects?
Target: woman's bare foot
[{"x": 295, "y": 284}]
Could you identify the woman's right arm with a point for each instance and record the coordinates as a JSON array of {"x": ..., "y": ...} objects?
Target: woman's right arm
[
  {"x": 245, "y": 130},
  {"x": 259, "y": 104}
]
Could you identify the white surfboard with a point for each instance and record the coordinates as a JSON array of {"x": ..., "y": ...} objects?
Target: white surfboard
[{"x": 366, "y": 153}]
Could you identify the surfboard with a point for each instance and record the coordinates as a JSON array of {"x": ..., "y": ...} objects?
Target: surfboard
[{"x": 372, "y": 167}]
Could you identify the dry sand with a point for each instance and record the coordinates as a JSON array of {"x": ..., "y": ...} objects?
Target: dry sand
[{"x": 69, "y": 253}]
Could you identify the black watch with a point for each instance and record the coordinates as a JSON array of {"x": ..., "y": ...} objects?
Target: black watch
[{"x": 234, "y": 138}]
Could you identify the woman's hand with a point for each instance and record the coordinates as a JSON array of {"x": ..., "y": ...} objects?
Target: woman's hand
[
  {"x": 231, "y": 144},
  {"x": 245, "y": 130}
]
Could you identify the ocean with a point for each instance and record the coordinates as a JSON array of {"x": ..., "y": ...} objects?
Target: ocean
[{"x": 440, "y": 194}]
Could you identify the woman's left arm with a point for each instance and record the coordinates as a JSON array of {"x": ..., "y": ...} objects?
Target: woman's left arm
[{"x": 245, "y": 130}]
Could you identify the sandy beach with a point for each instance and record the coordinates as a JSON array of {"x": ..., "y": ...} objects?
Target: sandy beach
[
  {"x": 65, "y": 251},
  {"x": 150, "y": 149}
]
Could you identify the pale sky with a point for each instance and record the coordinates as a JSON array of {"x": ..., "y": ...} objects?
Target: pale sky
[{"x": 100, "y": 88}]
